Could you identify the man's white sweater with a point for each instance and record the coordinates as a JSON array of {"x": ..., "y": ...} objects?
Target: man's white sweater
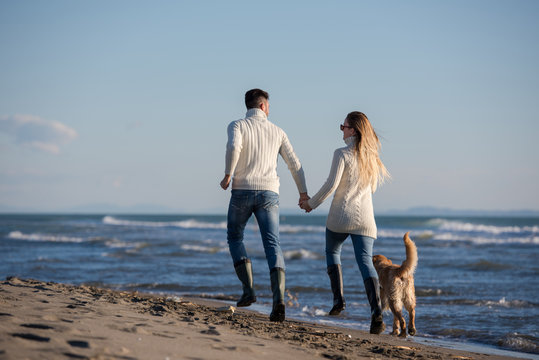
[
  {"x": 351, "y": 210},
  {"x": 253, "y": 146}
]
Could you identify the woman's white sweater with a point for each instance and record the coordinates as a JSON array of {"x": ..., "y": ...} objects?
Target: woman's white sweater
[
  {"x": 253, "y": 146},
  {"x": 351, "y": 210}
]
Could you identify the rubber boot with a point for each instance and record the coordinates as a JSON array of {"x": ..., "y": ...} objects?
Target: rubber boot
[
  {"x": 277, "y": 287},
  {"x": 335, "y": 277},
  {"x": 372, "y": 287},
  {"x": 244, "y": 270}
]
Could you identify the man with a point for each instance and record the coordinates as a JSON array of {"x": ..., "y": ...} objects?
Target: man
[{"x": 253, "y": 146}]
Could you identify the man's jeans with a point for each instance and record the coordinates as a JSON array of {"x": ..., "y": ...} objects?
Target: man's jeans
[
  {"x": 362, "y": 249},
  {"x": 265, "y": 205}
]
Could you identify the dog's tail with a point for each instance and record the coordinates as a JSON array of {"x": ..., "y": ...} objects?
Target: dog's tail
[{"x": 408, "y": 266}]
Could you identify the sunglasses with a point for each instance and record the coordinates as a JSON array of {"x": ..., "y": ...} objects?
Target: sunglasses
[{"x": 345, "y": 126}]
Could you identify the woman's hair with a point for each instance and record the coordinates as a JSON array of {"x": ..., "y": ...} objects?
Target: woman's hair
[{"x": 371, "y": 169}]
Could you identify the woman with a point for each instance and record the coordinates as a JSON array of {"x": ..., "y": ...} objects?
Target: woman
[{"x": 356, "y": 171}]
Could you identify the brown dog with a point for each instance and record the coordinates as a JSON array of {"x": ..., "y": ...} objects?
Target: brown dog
[{"x": 397, "y": 287}]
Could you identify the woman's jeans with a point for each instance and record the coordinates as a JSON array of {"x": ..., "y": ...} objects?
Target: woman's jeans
[
  {"x": 362, "y": 248},
  {"x": 265, "y": 205}
]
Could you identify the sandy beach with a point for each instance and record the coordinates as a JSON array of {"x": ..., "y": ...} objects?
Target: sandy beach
[{"x": 45, "y": 320}]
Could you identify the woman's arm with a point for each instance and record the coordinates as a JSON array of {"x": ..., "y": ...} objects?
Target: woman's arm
[{"x": 333, "y": 180}]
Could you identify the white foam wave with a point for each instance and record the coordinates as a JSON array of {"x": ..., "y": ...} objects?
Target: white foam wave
[
  {"x": 195, "y": 224},
  {"x": 119, "y": 244},
  {"x": 300, "y": 254},
  {"x": 485, "y": 240},
  {"x": 204, "y": 249},
  {"x": 43, "y": 237},
  {"x": 313, "y": 311},
  {"x": 459, "y": 226},
  {"x": 185, "y": 224},
  {"x": 296, "y": 229}
]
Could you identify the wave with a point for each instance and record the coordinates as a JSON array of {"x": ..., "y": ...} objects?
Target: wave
[
  {"x": 17, "y": 235},
  {"x": 204, "y": 249},
  {"x": 485, "y": 240},
  {"x": 301, "y": 254},
  {"x": 493, "y": 303},
  {"x": 184, "y": 224},
  {"x": 520, "y": 342},
  {"x": 295, "y": 229},
  {"x": 196, "y": 224},
  {"x": 459, "y": 226},
  {"x": 429, "y": 292}
]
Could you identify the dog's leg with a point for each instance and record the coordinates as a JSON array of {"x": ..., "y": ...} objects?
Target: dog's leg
[
  {"x": 411, "y": 325},
  {"x": 399, "y": 324},
  {"x": 395, "y": 325},
  {"x": 397, "y": 316}
]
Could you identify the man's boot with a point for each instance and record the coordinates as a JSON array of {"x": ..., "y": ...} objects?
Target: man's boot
[
  {"x": 372, "y": 287},
  {"x": 277, "y": 287},
  {"x": 244, "y": 270},
  {"x": 335, "y": 277}
]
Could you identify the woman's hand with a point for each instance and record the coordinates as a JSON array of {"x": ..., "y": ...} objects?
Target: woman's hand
[{"x": 304, "y": 204}]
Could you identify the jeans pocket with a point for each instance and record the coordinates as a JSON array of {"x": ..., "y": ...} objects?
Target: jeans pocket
[{"x": 271, "y": 200}]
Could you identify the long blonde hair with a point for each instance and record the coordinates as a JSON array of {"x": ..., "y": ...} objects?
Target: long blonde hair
[{"x": 367, "y": 145}]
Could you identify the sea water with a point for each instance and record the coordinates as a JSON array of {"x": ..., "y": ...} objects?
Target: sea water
[{"x": 476, "y": 281}]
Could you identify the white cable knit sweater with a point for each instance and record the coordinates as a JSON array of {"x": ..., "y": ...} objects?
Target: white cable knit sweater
[
  {"x": 253, "y": 146},
  {"x": 351, "y": 210}
]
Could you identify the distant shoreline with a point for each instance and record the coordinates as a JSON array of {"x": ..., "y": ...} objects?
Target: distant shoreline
[{"x": 419, "y": 212}]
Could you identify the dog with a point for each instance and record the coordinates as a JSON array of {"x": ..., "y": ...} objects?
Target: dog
[{"x": 397, "y": 287}]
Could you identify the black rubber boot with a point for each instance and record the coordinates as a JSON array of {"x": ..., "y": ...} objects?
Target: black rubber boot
[
  {"x": 335, "y": 277},
  {"x": 372, "y": 287},
  {"x": 277, "y": 287},
  {"x": 244, "y": 270}
]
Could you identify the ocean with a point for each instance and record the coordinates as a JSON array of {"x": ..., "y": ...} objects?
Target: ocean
[{"x": 477, "y": 281}]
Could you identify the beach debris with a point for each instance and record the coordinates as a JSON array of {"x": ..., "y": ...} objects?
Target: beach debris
[
  {"x": 404, "y": 347},
  {"x": 226, "y": 309},
  {"x": 176, "y": 299}
]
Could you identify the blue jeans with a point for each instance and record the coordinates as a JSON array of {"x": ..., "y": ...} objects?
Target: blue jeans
[
  {"x": 265, "y": 205},
  {"x": 362, "y": 249}
]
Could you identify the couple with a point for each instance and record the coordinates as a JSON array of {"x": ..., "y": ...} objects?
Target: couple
[{"x": 253, "y": 146}]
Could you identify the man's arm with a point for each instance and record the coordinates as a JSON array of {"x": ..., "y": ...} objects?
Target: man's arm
[
  {"x": 289, "y": 156},
  {"x": 233, "y": 149}
]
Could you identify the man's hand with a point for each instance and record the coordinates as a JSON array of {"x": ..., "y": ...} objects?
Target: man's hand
[
  {"x": 225, "y": 182},
  {"x": 303, "y": 202}
]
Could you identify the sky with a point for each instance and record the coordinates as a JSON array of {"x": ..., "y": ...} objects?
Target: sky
[{"x": 126, "y": 103}]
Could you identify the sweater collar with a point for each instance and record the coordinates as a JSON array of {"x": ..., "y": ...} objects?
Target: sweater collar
[
  {"x": 255, "y": 112},
  {"x": 350, "y": 140}
]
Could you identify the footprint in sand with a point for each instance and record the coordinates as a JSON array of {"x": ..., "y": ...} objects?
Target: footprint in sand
[
  {"x": 33, "y": 337},
  {"x": 79, "y": 344},
  {"x": 37, "y": 326},
  {"x": 75, "y": 356},
  {"x": 211, "y": 331}
]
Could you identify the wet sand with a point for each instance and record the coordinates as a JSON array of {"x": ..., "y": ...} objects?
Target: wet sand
[{"x": 45, "y": 320}]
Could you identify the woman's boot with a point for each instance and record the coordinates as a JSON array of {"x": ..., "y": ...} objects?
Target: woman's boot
[
  {"x": 335, "y": 277},
  {"x": 372, "y": 287},
  {"x": 277, "y": 287},
  {"x": 244, "y": 270}
]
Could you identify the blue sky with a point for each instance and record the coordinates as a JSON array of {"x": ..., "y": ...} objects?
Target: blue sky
[{"x": 127, "y": 102}]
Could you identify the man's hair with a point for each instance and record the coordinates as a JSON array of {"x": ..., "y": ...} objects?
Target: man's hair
[{"x": 254, "y": 97}]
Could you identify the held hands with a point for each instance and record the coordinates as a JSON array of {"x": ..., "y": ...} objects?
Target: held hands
[{"x": 304, "y": 202}]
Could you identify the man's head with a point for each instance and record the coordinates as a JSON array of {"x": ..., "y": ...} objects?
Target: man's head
[{"x": 257, "y": 99}]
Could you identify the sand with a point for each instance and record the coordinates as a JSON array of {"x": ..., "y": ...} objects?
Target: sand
[{"x": 45, "y": 320}]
